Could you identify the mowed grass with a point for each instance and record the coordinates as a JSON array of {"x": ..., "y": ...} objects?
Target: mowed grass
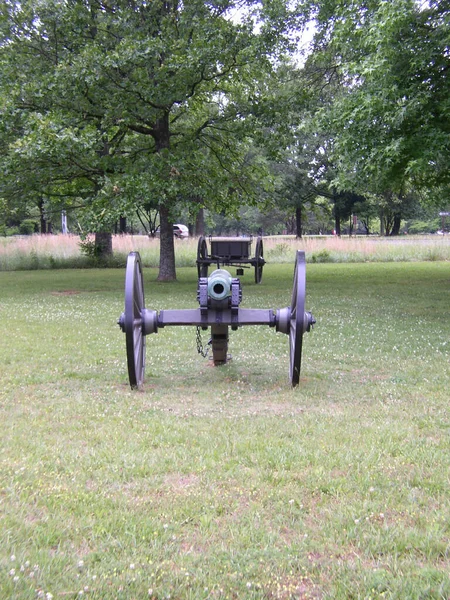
[{"x": 225, "y": 482}]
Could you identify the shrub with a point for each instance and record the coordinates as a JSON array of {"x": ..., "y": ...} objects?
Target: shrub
[
  {"x": 28, "y": 227},
  {"x": 417, "y": 226},
  {"x": 321, "y": 257},
  {"x": 89, "y": 248},
  {"x": 9, "y": 231}
]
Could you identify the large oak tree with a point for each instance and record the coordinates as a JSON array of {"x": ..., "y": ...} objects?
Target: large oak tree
[{"x": 107, "y": 103}]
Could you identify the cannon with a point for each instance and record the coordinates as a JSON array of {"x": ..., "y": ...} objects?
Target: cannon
[
  {"x": 219, "y": 297},
  {"x": 230, "y": 251}
]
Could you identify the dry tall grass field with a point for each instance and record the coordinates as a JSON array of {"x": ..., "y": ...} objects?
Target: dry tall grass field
[{"x": 64, "y": 251}]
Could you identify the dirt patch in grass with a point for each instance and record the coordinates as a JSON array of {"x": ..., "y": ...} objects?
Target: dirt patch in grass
[
  {"x": 65, "y": 292},
  {"x": 284, "y": 588},
  {"x": 178, "y": 482}
]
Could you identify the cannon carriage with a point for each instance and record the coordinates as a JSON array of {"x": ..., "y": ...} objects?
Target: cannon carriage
[
  {"x": 219, "y": 297},
  {"x": 230, "y": 251}
]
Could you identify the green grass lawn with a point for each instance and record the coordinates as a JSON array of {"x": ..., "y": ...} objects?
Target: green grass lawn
[{"x": 225, "y": 482}]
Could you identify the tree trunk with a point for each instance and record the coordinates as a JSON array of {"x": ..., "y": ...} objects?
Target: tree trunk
[
  {"x": 167, "y": 270},
  {"x": 166, "y": 247},
  {"x": 388, "y": 224},
  {"x": 337, "y": 218},
  {"x": 337, "y": 224},
  {"x": 200, "y": 222},
  {"x": 396, "y": 225},
  {"x": 103, "y": 244},
  {"x": 43, "y": 223},
  {"x": 366, "y": 224},
  {"x": 298, "y": 222}
]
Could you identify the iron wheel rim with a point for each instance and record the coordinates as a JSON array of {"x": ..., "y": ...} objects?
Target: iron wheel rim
[
  {"x": 134, "y": 335},
  {"x": 259, "y": 260},
  {"x": 202, "y": 253},
  {"x": 297, "y": 318}
]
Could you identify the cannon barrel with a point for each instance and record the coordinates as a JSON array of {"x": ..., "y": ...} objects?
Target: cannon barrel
[{"x": 219, "y": 284}]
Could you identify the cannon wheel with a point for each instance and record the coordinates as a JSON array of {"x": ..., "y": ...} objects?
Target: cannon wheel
[
  {"x": 259, "y": 257},
  {"x": 133, "y": 324},
  {"x": 297, "y": 318},
  {"x": 202, "y": 253}
]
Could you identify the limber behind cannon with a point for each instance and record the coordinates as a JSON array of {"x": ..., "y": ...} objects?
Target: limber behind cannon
[
  {"x": 219, "y": 297},
  {"x": 230, "y": 251}
]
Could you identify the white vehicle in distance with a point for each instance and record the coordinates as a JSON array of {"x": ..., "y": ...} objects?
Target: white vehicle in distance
[{"x": 179, "y": 231}]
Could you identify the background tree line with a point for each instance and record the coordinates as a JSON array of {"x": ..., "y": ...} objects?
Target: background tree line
[{"x": 128, "y": 110}]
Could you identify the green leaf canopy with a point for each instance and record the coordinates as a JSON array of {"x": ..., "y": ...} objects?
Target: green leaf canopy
[
  {"x": 391, "y": 123},
  {"x": 112, "y": 103}
]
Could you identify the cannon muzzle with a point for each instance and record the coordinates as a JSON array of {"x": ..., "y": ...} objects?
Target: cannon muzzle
[{"x": 219, "y": 284}]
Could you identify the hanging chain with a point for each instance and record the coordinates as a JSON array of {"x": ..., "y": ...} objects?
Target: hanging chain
[{"x": 200, "y": 348}]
